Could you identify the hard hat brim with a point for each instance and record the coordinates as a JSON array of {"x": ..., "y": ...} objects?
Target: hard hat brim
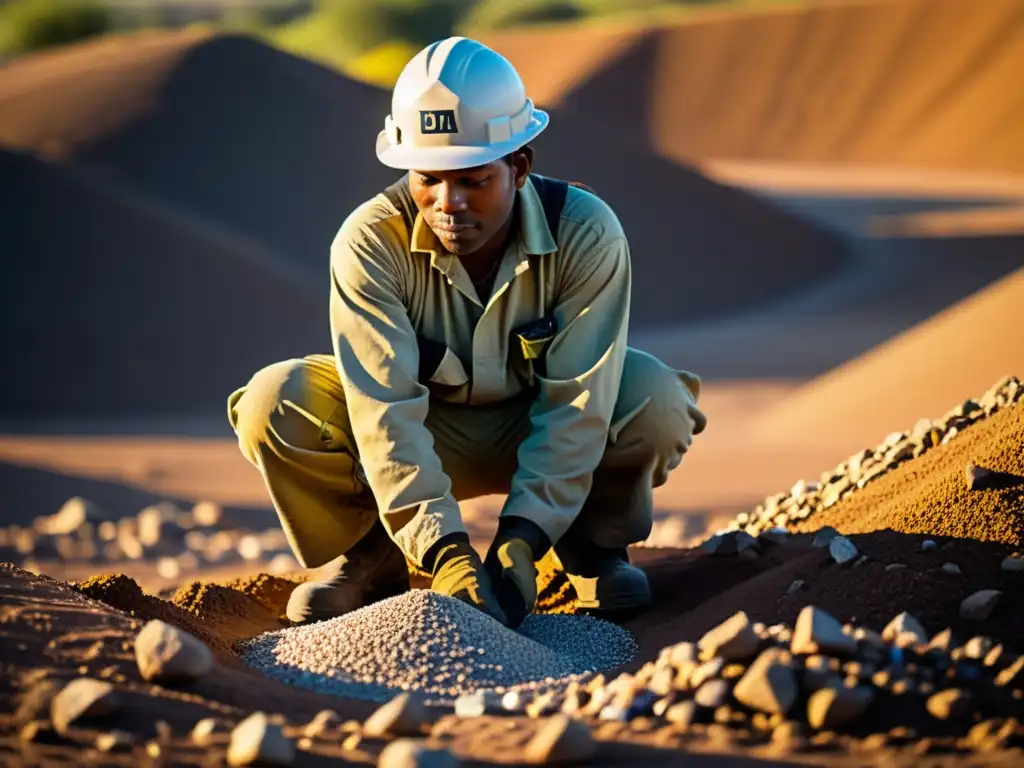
[{"x": 407, "y": 157}]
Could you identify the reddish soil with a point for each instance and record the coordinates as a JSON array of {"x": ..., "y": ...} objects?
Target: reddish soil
[{"x": 930, "y": 495}]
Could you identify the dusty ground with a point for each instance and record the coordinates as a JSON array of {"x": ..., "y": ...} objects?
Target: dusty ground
[
  {"x": 869, "y": 295},
  {"x": 53, "y": 631}
]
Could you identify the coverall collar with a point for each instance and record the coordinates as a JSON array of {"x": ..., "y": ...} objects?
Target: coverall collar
[{"x": 534, "y": 236}]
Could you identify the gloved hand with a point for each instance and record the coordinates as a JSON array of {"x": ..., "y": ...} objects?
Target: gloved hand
[
  {"x": 510, "y": 565},
  {"x": 458, "y": 573}
]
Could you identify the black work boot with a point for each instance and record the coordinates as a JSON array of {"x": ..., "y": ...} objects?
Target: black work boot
[
  {"x": 604, "y": 580},
  {"x": 373, "y": 569}
]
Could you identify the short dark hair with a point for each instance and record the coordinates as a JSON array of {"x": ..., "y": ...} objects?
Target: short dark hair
[{"x": 508, "y": 158}]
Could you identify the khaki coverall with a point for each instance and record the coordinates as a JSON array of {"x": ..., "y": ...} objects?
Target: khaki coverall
[{"x": 434, "y": 395}]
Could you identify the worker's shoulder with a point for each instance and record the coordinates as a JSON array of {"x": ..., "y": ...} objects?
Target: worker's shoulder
[
  {"x": 588, "y": 221},
  {"x": 375, "y": 225}
]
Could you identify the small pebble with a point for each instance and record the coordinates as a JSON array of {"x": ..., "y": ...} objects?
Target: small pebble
[
  {"x": 83, "y": 698},
  {"x": 257, "y": 741},
  {"x": 980, "y": 605},
  {"x": 404, "y": 715},
  {"x": 1012, "y": 564},
  {"x": 561, "y": 739},
  {"x": 414, "y": 753},
  {"x": 169, "y": 656},
  {"x": 843, "y": 550}
]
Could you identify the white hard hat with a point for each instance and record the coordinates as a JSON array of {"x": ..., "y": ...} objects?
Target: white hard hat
[{"x": 457, "y": 104}]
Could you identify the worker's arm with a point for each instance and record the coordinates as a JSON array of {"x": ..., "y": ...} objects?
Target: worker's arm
[
  {"x": 378, "y": 361},
  {"x": 576, "y": 394}
]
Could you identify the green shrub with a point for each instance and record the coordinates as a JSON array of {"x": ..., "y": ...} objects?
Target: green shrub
[
  {"x": 30, "y": 25},
  {"x": 499, "y": 14}
]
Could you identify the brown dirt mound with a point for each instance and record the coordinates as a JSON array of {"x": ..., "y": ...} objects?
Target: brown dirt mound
[
  {"x": 888, "y": 83},
  {"x": 278, "y": 136},
  {"x": 944, "y": 360},
  {"x": 154, "y": 311},
  {"x": 288, "y": 179},
  {"x": 929, "y": 495},
  {"x": 272, "y": 592},
  {"x": 122, "y": 593},
  {"x": 231, "y": 613}
]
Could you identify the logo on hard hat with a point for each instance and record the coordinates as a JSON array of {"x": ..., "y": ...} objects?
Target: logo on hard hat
[{"x": 437, "y": 121}]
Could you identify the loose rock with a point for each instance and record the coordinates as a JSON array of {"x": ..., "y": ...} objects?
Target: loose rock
[
  {"x": 952, "y": 703},
  {"x": 203, "y": 731},
  {"x": 732, "y": 640},
  {"x": 404, "y": 715},
  {"x": 731, "y": 543},
  {"x": 325, "y": 720},
  {"x": 705, "y": 672},
  {"x": 1013, "y": 675},
  {"x": 170, "y": 656},
  {"x": 561, "y": 740},
  {"x": 681, "y": 715},
  {"x": 843, "y": 550},
  {"x": 114, "y": 741},
  {"x": 943, "y": 641},
  {"x": 951, "y": 568},
  {"x": 927, "y": 545},
  {"x": 903, "y": 624},
  {"x": 256, "y": 740},
  {"x": 832, "y": 707},
  {"x": 207, "y": 513},
  {"x": 818, "y": 632},
  {"x": 83, "y": 698},
  {"x": 824, "y": 537},
  {"x": 980, "y": 605},
  {"x": 769, "y": 685},
  {"x": 713, "y": 694},
  {"x": 414, "y": 753},
  {"x": 1012, "y": 564},
  {"x": 477, "y": 703},
  {"x": 978, "y": 478},
  {"x": 75, "y": 513}
]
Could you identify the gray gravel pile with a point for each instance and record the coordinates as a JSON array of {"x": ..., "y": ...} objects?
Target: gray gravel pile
[
  {"x": 427, "y": 642},
  {"x": 807, "y": 498}
]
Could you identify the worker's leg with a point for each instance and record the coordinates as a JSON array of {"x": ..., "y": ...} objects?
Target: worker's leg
[
  {"x": 653, "y": 426},
  {"x": 292, "y": 425}
]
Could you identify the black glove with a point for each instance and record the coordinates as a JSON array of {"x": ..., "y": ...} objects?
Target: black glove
[
  {"x": 457, "y": 572},
  {"x": 510, "y": 565}
]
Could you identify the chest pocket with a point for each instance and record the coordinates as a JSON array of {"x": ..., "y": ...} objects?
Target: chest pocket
[{"x": 529, "y": 346}]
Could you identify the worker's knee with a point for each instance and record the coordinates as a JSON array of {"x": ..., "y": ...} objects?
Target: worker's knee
[
  {"x": 656, "y": 415},
  {"x": 279, "y": 400}
]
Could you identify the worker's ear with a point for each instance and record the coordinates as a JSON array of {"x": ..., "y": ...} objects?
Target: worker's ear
[{"x": 522, "y": 164}]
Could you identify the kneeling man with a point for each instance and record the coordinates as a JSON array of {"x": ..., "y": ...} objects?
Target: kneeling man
[{"x": 479, "y": 315}]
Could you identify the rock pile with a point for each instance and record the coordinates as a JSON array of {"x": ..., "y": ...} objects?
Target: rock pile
[
  {"x": 426, "y": 642},
  {"x": 781, "y": 684},
  {"x": 180, "y": 541},
  {"x": 808, "y": 498}
]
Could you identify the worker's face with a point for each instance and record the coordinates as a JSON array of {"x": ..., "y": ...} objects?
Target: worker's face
[{"x": 467, "y": 208}]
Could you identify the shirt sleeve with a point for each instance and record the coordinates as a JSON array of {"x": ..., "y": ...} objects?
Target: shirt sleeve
[
  {"x": 378, "y": 361},
  {"x": 572, "y": 412}
]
